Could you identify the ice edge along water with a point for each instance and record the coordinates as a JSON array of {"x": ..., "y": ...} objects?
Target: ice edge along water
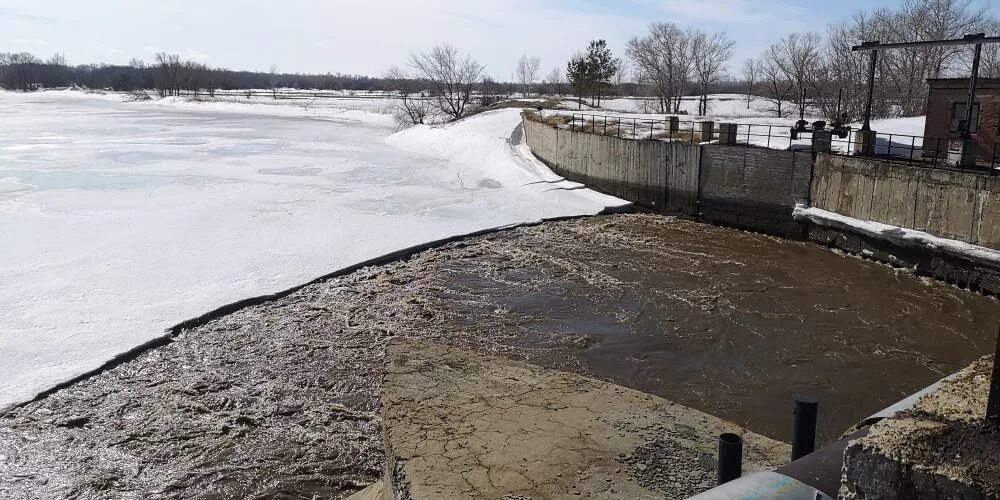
[{"x": 70, "y": 305}]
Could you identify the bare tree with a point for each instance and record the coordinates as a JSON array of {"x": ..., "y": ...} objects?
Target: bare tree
[
  {"x": 527, "y": 72},
  {"x": 777, "y": 88},
  {"x": 663, "y": 60},
  {"x": 272, "y": 81},
  {"x": 450, "y": 76},
  {"x": 991, "y": 54},
  {"x": 413, "y": 107},
  {"x": 57, "y": 59},
  {"x": 555, "y": 79},
  {"x": 901, "y": 75},
  {"x": 709, "y": 54},
  {"x": 621, "y": 75},
  {"x": 21, "y": 70},
  {"x": 492, "y": 92},
  {"x": 136, "y": 63},
  {"x": 798, "y": 57},
  {"x": 751, "y": 73},
  {"x": 847, "y": 71},
  {"x": 168, "y": 81},
  {"x": 943, "y": 19}
]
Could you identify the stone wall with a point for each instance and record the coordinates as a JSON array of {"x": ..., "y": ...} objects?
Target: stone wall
[
  {"x": 754, "y": 188},
  {"x": 653, "y": 174},
  {"x": 951, "y": 204}
]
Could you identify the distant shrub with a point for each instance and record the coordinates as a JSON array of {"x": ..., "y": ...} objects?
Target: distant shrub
[{"x": 139, "y": 95}]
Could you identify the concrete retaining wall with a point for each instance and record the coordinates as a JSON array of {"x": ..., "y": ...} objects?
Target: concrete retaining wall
[
  {"x": 653, "y": 174},
  {"x": 754, "y": 188},
  {"x": 950, "y": 204}
]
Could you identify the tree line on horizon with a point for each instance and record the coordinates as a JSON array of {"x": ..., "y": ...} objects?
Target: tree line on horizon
[
  {"x": 168, "y": 74},
  {"x": 665, "y": 64}
]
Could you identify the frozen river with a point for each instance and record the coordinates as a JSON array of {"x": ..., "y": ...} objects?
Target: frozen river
[{"x": 120, "y": 220}]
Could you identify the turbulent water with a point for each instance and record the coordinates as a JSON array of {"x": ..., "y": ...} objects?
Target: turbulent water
[{"x": 281, "y": 400}]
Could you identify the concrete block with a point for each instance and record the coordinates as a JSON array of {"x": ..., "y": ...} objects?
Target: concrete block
[
  {"x": 727, "y": 134},
  {"x": 864, "y": 142},
  {"x": 822, "y": 141},
  {"x": 938, "y": 449},
  {"x": 707, "y": 130}
]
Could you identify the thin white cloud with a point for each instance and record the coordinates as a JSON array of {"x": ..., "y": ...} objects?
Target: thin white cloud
[
  {"x": 29, "y": 41},
  {"x": 196, "y": 55},
  {"x": 102, "y": 49}
]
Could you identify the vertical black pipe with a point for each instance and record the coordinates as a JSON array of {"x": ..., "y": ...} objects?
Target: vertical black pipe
[
  {"x": 871, "y": 92},
  {"x": 804, "y": 437},
  {"x": 730, "y": 457},
  {"x": 973, "y": 82}
]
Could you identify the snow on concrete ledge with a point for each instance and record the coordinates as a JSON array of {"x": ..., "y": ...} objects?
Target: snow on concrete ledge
[{"x": 898, "y": 235}]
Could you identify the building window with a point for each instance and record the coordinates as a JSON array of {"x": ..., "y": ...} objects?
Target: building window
[{"x": 958, "y": 116}]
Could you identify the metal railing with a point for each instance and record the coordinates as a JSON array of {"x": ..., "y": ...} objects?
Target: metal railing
[
  {"x": 920, "y": 151},
  {"x": 892, "y": 148},
  {"x": 672, "y": 129}
]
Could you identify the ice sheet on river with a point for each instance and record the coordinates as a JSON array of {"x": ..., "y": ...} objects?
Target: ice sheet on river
[{"x": 120, "y": 220}]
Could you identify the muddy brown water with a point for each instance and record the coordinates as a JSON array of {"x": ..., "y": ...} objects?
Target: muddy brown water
[{"x": 281, "y": 400}]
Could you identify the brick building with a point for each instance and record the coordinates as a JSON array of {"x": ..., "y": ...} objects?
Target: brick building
[{"x": 946, "y": 109}]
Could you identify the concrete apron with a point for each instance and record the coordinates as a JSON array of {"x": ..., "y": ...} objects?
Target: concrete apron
[{"x": 464, "y": 425}]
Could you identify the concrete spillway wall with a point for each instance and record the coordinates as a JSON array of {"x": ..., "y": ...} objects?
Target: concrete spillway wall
[
  {"x": 753, "y": 188},
  {"x": 963, "y": 206},
  {"x": 758, "y": 189},
  {"x": 653, "y": 174}
]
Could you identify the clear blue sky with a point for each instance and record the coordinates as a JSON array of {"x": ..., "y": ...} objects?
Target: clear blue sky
[{"x": 368, "y": 36}]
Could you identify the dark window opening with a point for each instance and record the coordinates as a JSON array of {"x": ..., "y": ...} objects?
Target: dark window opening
[{"x": 958, "y": 116}]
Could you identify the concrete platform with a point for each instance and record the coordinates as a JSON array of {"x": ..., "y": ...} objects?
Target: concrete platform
[
  {"x": 465, "y": 425},
  {"x": 938, "y": 449}
]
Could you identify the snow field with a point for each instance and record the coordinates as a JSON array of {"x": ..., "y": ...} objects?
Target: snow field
[{"x": 122, "y": 219}]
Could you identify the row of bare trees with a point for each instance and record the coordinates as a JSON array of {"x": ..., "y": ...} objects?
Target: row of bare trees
[
  {"x": 806, "y": 69},
  {"x": 668, "y": 59},
  {"x": 25, "y": 71}
]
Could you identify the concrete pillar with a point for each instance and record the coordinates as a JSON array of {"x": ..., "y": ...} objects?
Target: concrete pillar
[
  {"x": 822, "y": 141},
  {"x": 673, "y": 125},
  {"x": 962, "y": 153},
  {"x": 707, "y": 131},
  {"x": 864, "y": 142},
  {"x": 727, "y": 134}
]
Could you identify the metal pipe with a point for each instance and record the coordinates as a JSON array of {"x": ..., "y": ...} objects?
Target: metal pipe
[
  {"x": 871, "y": 91},
  {"x": 804, "y": 436},
  {"x": 966, "y": 40},
  {"x": 730, "y": 457},
  {"x": 973, "y": 81}
]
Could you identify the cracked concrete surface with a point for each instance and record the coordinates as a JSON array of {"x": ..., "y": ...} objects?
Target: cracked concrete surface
[
  {"x": 940, "y": 448},
  {"x": 459, "y": 424}
]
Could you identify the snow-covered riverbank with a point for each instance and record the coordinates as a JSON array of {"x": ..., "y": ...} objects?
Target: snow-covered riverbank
[{"x": 123, "y": 219}]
